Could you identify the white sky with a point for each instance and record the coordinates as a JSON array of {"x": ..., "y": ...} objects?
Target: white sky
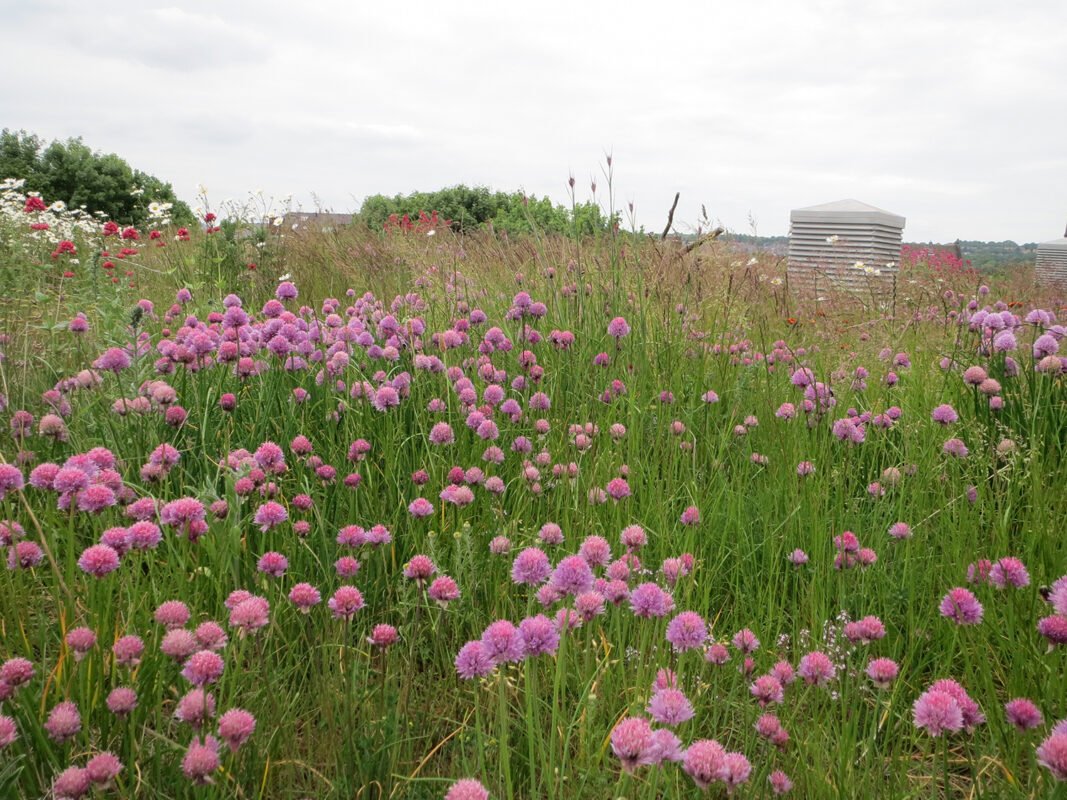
[{"x": 952, "y": 113}]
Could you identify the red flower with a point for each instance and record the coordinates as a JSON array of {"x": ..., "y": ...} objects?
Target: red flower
[
  {"x": 64, "y": 247},
  {"x": 209, "y": 217},
  {"x": 155, "y": 235},
  {"x": 40, "y": 226},
  {"x": 110, "y": 229},
  {"x": 183, "y": 234},
  {"x": 130, "y": 233},
  {"x": 108, "y": 265},
  {"x": 34, "y": 203}
]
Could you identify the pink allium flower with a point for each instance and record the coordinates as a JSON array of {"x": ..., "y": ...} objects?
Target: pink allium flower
[
  {"x": 467, "y": 789},
  {"x": 346, "y": 601},
  {"x": 618, "y": 328},
  {"x": 420, "y": 507},
  {"x": 595, "y": 550},
  {"x": 649, "y": 600},
  {"x": 573, "y": 575},
  {"x": 273, "y": 564},
  {"x": 944, "y": 414},
  {"x": 900, "y": 530},
  {"x": 443, "y": 590},
  {"x": 128, "y": 651},
  {"x": 746, "y": 641},
  {"x": 1053, "y": 628},
  {"x": 472, "y": 661},
  {"x": 691, "y": 516},
  {"x": 73, "y": 783},
  {"x": 817, "y": 668},
  {"x": 1009, "y": 572},
  {"x": 589, "y": 604},
  {"x": 704, "y": 762},
  {"x": 201, "y": 760},
  {"x": 882, "y": 672},
  {"x": 382, "y": 636},
  {"x": 539, "y": 635},
  {"x": 633, "y": 537},
  {"x": 936, "y": 712},
  {"x": 972, "y": 713},
  {"x": 502, "y": 642},
  {"x": 632, "y": 743},
  {"x": 64, "y": 722},
  {"x": 235, "y": 727},
  {"x": 499, "y": 545},
  {"x": 457, "y": 495},
  {"x": 270, "y": 515},
  {"x": 441, "y": 434},
  {"x": 195, "y": 708},
  {"x": 531, "y": 567},
  {"x": 103, "y": 768},
  {"x": 962, "y": 607},
  {"x": 687, "y": 631},
  {"x": 179, "y": 644},
  {"x": 419, "y": 569},
  {"x": 98, "y": 560},
  {"x": 81, "y": 641},
  {"x": 670, "y": 707},
  {"x": 8, "y": 731},
  {"x": 114, "y": 359},
  {"x": 717, "y": 654},
  {"x": 304, "y": 596},
  {"x": 955, "y": 448},
  {"x": 780, "y": 782},
  {"x": 767, "y": 689},
  {"x": 1023, "y": 714},
  {"x": 210, "y": 636},
  {"x": 24, "y": 555},
  {"x": 805, "y": 468},
  {"x": 783, "y": 671},
  {"x": 798, "y": 558},
  {"x": 250, "y": 614},
  {"x": 16, "y": 671},
  {"x": 1058, "y": 595},
  {"x": 1052, "y": 754},
  {"x": 736, "y": 770},
  {"x": 203, "y": 667},
  {"x": 172, "y": 614},
  {"x": 121, "y": 701}
]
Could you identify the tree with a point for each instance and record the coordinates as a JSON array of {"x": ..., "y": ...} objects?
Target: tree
[
  {"x": 70, "y": 171},
  {"x": 471, "y": 207}
]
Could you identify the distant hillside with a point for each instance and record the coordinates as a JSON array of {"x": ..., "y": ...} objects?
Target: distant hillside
[{"x": 985, "y": 256}]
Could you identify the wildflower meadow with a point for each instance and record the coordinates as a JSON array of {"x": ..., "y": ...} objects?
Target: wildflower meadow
[{"x": 419, "y": 513}]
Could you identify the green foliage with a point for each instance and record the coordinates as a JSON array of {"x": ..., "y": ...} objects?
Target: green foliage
[
  {"x": 471, "y": 207},
  {"x": 72, "y": 172}
]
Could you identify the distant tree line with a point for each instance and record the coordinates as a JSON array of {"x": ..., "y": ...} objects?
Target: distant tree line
[
  {"x": 72, "y": 172},
  {"x": 471, "y": 207}
]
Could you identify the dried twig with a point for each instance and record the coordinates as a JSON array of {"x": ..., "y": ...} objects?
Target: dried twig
[
  {"x": 707, "y": 237},
  {"x": 670, "y": 216}
]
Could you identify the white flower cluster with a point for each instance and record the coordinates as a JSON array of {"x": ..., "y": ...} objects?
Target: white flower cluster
[{"x": 53, "y": 225}]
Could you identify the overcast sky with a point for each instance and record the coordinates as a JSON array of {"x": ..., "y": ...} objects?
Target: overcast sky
[{"x": 952, "y": 113}]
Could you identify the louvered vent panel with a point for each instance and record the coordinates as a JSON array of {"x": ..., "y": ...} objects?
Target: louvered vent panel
[
  {"x": 1051, "y": 265},
  {"x": 859, "y": 233}
]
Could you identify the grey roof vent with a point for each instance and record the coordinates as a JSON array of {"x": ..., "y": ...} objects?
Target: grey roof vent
[
  {"x": 1050, "y": 268},
  {"x": 843, "y": 245}
]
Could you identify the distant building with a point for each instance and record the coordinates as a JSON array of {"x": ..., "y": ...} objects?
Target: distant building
[
  {"x": 1050, "y": 268},
  {"x": 318, "y": 220},
  {"x": 844, "y": 245}
]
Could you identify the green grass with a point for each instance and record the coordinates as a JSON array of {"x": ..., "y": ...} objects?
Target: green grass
[{"x": 336, "y": 719}]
